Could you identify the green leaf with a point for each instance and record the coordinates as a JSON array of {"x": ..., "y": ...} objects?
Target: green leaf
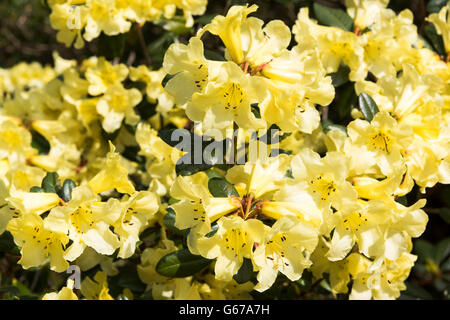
[
  {"x": 169, "y": 222},
  {"x": 151, "y": 236},
  {"x": 425, "y": 250},
  {"x": 36, "y": 189},
  {"x": 180, "y": 264},
  {"x": 403, "y": 200},
  {"x": 442, "y": 250},
  {"x": 23, "y": 289},
  {"x": 214, "y": 228},
  {"x": 129, "y": 278},
  {"x": 273, "y": 135},
  {"x": 39, "y": 142},
  {"x": 255, "y": 110},
  {"x": 12, "y": 291},
  {"x": 166, "y": 79},
  {"x": 176, "y": 26},
  {"x": 167, "y": 135},
  {"x": 66, "y": 191},
  {"x": 187, "y": 169},
  {"x": 426, "y": 44},
  {"x": 305, "y": 282},
  {"x": 333, "y": 17},
  {"x": 445, "y": 266},
  {"x": 213, "y": 55},
  {"x": 109, "y": 136},
  {"x": 436, "y": 40},
  {"x": 132, "y": 153},
  {"x": 130, "y": 128},
  {"x": 172, "y": 201},
  {"x": 7, "y": 244},
  {"x": 444, "y": 213},
  {"x": 50, "y": 182},
  {"x": 325, "y": 285},
  {"x": 328, "y": 125},
  {"x": 158, "y": 47},
  {"x": 346, "y": 100},
  {"x": 415, "y": 292},
  {"x": 340, "y": 77},
  {"x": 205, "y": 19},
  {"x": 368, "y": 106},
  {"x": 435, "y": 6},
  {"x": 221, "y": 188},
  {"x": 245, "y": 272},
  {"x": 212, "y": 173}
]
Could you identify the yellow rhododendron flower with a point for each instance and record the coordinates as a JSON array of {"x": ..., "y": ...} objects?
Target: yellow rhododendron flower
[
  {"x": 113, "y": 175},
  {"x": 365, "y": 13},
  {"x": 324, "y": 178},
  {"x": 137, "y": 213},
  {"x": 15, "y": 140},
  {"x": 38, "y": 243},
  {"x": 116, "y": 105},
  {"x": 286, "y": 248},
  {"x": 378, "y": 143},
  {"x": 87, "y": 221},
  {"x": 232, "y": 242},
  {"x": 101, "y": 74},
  {"x": 442, "y": 23}
]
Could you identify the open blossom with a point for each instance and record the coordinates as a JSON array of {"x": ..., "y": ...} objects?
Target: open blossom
[{"x": 260, "y": 70}]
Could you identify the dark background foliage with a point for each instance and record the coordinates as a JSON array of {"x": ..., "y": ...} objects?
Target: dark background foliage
[{"x": 26, "y": 35}]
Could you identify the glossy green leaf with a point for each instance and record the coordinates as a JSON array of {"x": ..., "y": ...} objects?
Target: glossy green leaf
[
  {"x": 415, "y": 292},
  {"x": 169, "y": 222},
  {"x": 66, "y": 190},
  {"x": 39, "y": 142},
  {"x": 435, "y": 6},
  {"x": 167, "y": 78},
  {"x": 36, "y": 189},
  {"x": 332, "y": 17},
  {"x": 340, "y": 77},
  {"x": 436, "y": 40},
  {"x": 180, "y": 264},
  {"x": 368, "y": 106},
  {"x": 187, "y": 169},
  {"x": 172, "y": 139},
  {"x": 425, "y": 250},
  {"x": 245, "y": 272},
  {"x": 328, "y": 125},
  {"x": 50, "y": 182},
  {"x": 214, "y": 228},
  {"x": 221, "y": 188}
]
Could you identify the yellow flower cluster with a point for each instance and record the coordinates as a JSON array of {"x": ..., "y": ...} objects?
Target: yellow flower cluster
[
  {"x": 75, "y": 109},
  {"x": 259, "y": 68},
  {"x": 79, "y": 20},
  {"x": 334, "y": 213}
]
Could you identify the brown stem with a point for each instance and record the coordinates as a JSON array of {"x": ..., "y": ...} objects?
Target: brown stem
[{"x": 143, "y": 45}]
